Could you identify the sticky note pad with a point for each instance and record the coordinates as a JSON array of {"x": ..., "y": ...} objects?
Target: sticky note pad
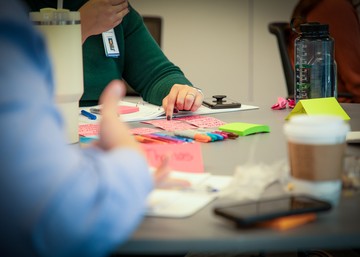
[
  {"x": 327, "y": 105},
  {"x": 244, "y": 129}
]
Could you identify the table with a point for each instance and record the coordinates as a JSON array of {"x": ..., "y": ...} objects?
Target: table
[{"x": 339, "y": 228}]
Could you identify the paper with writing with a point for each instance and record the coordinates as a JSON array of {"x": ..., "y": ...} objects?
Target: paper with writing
[
  {"x": 149, "y": 111},
  {"x": 183, "y": 157}
]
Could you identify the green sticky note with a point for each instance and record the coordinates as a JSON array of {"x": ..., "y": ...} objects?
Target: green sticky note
[
  {"x": 244, "y": 129},
  {"x": 328, "y": 105}
]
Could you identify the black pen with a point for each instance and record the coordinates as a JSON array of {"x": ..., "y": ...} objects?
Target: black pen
[{"x": 95, "y": 110}]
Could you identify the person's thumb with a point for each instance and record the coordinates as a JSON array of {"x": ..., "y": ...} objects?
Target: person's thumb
[{"x": 111, "y": 96}]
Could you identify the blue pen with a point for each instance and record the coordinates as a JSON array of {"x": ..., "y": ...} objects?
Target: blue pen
[{"x": 88, "y": 115}]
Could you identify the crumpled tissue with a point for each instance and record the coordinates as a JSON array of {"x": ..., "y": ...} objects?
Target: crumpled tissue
[{"x": 251, "y": 180}]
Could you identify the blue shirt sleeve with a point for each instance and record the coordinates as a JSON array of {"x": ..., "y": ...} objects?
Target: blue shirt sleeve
[{"x": 56, "y": 199}]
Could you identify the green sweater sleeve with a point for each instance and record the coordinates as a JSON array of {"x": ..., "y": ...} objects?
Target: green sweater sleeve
[
  {"x": 146, "y": 68},
  {"x": 141, "y": 63}
]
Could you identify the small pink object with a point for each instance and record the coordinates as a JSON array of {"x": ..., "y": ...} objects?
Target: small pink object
[
  {"x": 124, "y": 109},
  {"x": 291, "y": 103},
  {"x": 281, "y": 104}
]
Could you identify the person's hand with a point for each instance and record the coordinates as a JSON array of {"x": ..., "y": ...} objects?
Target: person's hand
[
  {"x": 98, "y": 16},
  {"x": 114, "y": 133},
  {"x": 182, "y": 97},
  {"x": 163, "y": 180}
]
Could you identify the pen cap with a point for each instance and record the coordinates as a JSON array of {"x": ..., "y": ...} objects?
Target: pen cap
[{"x": 61, "y": 29}]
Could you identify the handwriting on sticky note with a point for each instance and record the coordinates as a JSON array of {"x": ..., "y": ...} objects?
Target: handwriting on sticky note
[{"x": 183, "y": 157}]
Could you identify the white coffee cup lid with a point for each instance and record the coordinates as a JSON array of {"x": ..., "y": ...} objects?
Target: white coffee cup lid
[{"x": 318, "y": 129}]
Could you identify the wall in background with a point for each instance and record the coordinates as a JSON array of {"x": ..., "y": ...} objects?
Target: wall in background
[{"x": 224, "y": 46}]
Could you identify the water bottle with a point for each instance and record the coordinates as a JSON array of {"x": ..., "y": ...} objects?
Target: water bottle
[
  {"x": 315, "y": 66},
  {"x": 62, "y": 31}
]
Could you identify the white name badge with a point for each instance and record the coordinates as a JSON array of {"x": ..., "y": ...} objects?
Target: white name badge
[{"x": 110, "y": 44}]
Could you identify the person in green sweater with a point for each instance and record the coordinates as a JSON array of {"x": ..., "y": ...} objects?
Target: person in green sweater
[{"x": 141, "y": 62}]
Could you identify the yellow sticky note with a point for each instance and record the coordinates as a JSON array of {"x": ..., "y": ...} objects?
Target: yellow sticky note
[{"x": 328, "y": 105}]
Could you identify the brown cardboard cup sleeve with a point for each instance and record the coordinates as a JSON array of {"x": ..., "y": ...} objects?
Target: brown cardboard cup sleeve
[{"x": 316, "y": 162}]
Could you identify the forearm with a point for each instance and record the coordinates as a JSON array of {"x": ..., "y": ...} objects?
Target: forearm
[
  {"x": 98, "y": 206},
  {"x": 58, "y": 199}
]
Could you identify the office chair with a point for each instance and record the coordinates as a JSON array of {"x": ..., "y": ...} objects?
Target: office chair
[
  {"x": 154, "y": 25},
  {"x": 282, "y": 30}
]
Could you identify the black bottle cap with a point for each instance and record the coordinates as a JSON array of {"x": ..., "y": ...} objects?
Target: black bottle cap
[{"x": 314, "y": 29}]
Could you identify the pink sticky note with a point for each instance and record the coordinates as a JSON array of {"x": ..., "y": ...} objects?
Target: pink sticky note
[
  {"x": 124, "y": 109},
  {"x": 183, "y": 157},
  {"x": 206, "y": 122},
  {"x": 187, "y": 118},
  {"x": 170, "y": 125},
  {"x": 144, "y": 131},
  {"x": 87, "y": 130}
]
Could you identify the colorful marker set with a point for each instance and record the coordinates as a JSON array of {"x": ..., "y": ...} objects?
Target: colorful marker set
[
  {"x": 205, "y": 135},
  {"x": 161, "y": 138},
  {"x": 225, "y": 134},
  {"x": 186, "y": 136}
]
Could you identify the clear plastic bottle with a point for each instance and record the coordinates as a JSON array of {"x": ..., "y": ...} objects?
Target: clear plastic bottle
[
  {"x": 62, "y": 31},
  {"x": 315, "y": 66}
]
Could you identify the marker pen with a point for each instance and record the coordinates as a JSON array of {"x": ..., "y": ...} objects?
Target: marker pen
[
  {"x": 194, "y": 135},
  {"x": 95, "y": 110},
  {"x": 176, "y": 138},
  {"x": 88, "y": 115},
  {"x": 145, "y": 139},
  {"x": 163, "y": 139}
]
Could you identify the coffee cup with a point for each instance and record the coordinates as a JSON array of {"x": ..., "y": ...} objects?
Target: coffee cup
[{"x": 316, "y": 149}]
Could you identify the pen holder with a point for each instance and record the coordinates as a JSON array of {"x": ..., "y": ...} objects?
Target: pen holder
[{"x": 62, "y": 31}]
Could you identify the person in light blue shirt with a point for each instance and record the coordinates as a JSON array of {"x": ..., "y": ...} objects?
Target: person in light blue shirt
[{"x": 58, "y": 199}]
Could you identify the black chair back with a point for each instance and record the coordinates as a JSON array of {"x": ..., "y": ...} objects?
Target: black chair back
[{"x": 282, "y": 31}]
